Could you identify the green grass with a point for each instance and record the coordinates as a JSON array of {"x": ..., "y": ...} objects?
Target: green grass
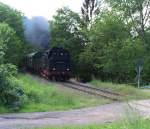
[
  {"x": 129, "y": 92},
  {"x": 4, "y": 110},
  {"x": 133, "y": 124},
  {"x": 42, "y": 95}
]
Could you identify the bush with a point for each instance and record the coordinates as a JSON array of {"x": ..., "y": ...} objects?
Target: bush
[
  {"x": 13, "y": 18},
  {"x": 120, "y": 62},
  {"x": 13, "y": 51},
  {"x": 11, "y": 91},
  {"x": 85, "y": 64}
]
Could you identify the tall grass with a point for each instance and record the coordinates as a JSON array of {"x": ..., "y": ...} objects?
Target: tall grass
[
  {"x": 129, "y": 92},
  {"x": 135, "y": 124},
  {"x": 42, "y": 95}
]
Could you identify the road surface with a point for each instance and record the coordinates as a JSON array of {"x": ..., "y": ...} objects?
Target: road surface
[{"x": 100, "y": 114}]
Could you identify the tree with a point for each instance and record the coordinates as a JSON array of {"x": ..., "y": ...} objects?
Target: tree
[
  {"x": 66, "y": 31},
  {"x": 137, "y": 12},
  {"x": 2, "y": 53},
  {"x": 89, "y": 9},
  {"x": 86, "y": 64},
  {"x": 13, "y": 46},
  {"x": 114, "y": 51},
  {"x": 120, "y": 62},
  {"x": 105, "y": 32},
  {"x": 146, "y": 69},
  {"x": 13, "y": 18},
  {"x": 14, "y": 21},
  {"x": 10, "y": 90}
]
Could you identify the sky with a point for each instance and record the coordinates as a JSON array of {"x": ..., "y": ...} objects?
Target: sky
[{"x": 45, "y": 8}]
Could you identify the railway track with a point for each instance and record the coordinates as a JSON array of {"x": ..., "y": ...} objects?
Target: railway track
[{"x": 92, "y": 90}]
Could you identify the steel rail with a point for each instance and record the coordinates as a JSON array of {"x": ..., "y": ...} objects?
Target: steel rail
[
  {"x": 93, "y": 91},
  {"x": 94, "y": 88}
]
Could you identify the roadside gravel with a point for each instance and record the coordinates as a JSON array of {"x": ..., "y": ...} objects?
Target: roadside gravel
[{"x": 100, "y": 114}]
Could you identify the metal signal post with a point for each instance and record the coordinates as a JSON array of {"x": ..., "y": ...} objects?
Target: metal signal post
[
  {"x": 139, "y": 68},
  {"x": 139, "y": 75}
]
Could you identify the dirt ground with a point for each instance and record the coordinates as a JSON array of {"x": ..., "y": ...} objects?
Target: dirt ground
[{"x": 100, "y": 114}]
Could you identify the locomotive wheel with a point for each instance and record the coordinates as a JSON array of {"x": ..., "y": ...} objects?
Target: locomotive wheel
[
  {"x": 52, "y": 78},
  {"x": 63, "y": 78},
  {"x": 67, "y": 78},
  {"x": 57, "y": 78}
]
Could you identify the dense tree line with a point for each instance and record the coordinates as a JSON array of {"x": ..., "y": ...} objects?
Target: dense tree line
[
  {"x": 103, "y": 43},
  {"x": 12, "y": 50},
  {"x": 106, "y": 43}
]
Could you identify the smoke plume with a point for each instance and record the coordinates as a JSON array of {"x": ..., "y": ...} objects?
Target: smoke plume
[{"x": 37, "y": 31}]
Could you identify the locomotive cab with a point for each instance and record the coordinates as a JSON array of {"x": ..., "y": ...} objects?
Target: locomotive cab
[{"x": 59, "y": 60}]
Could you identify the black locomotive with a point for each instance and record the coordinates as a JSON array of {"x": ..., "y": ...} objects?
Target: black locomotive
[{"x": 54, "y": 63}]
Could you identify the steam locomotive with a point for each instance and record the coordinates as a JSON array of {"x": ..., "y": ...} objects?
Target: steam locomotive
[{"x": 54, "y": 64}]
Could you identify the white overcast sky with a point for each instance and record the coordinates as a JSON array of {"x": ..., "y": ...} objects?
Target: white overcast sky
[{"x": 45, "y": 8}]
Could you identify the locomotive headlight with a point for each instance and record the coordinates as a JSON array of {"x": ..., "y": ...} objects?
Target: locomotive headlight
[
  {"x": 68, "y": 69},
  {"x": 54, "y": 69}
]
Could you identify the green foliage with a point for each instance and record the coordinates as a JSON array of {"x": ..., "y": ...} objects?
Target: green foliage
[
  {"x": 66, "y": 31},
  {"x": 127, "y": 124},
  {"x": 146, "y": 69},
  {"x": 42, "y": 95},
  {"x": 112, "y": 52},
  {"x": 13, "y": 18},
  {"x": 12, "y": 34},
  {"x": 2, "y": 47},
  {"x": 105, "y": 32},
  {"x": 135, "y": 12},
  {"x": 12, "y": 51},
  {"x": 10, "y": 89},
  {"x": 85, "y": 64},
  {"x": 107, "y": 49},
  {"x": 128, "y": 91},
  {"x": 106, "y": 29},
  {"x": 120, "y": 62}
]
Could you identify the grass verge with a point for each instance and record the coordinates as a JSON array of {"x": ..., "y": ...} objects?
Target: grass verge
[
  {"x": 133, "y": 124},
  {"x": 42, "y": 95},
  {"x": 129, "y": 92}
]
